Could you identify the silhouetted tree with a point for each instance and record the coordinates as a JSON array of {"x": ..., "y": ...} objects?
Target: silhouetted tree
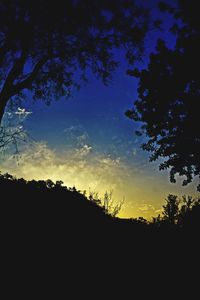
[
  {"x": 169, "y": 96},
  {"x": 94, "y": 197},
  {"x": 110, "y": 206},
  {"x": 43, "y": 43},
  {"x": 188, "y": 203},
  {"x": 171, "y": 209}
]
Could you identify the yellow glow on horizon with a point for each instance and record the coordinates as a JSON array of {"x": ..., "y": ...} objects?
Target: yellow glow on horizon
[{"x": 144, "y": 194}]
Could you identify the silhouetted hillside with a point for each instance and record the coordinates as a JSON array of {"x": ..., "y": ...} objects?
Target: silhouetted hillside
[
  {"x": 50, "y": 210},
  {"x": 43, "y": 205},
  {"x": 49, "y": 229}
]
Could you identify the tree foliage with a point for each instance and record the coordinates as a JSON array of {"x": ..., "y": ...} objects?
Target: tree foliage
[
  {"x": 181, "y": 213},
  {"x": 169, "y": 96},
  {"x": 43, "y": 43}
]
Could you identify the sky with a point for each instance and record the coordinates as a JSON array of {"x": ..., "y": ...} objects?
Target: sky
[{"x": 88, "y": 142}]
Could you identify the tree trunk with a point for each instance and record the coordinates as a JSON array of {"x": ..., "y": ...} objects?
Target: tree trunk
[{"x": 3, "y": 102}]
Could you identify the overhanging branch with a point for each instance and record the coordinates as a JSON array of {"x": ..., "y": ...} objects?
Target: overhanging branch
[
  {"x": 15, "y": 71},
  {"x": 29, "y": 79}
]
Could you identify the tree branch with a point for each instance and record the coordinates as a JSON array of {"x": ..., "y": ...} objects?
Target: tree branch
[
  {"x": 26, "y": 82},
  {"x": 14, "y": 73},
  {"x": 5, "y": 47}
]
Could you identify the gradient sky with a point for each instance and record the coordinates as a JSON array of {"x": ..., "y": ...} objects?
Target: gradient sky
[{"x": 87, "y": 142}]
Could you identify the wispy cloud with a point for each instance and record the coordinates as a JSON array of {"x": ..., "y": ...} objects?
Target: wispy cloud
[
  {"x": 76, "y": 134},
  {"x": 81, "y": 167}
]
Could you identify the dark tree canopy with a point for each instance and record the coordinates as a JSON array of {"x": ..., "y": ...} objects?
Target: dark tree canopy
[
  {"x": 168, "y": 102},
  {"x": 43, "y": 43}
]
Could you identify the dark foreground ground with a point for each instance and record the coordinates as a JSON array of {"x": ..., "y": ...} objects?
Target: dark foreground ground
[{"x": 52, "y": 233}]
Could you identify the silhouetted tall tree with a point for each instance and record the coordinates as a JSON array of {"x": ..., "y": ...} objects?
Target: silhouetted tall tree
[
  {"x": 171, "y": 209},
  {"x": 169, "y": 96},
  {"x": 43, "y": 43}
]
